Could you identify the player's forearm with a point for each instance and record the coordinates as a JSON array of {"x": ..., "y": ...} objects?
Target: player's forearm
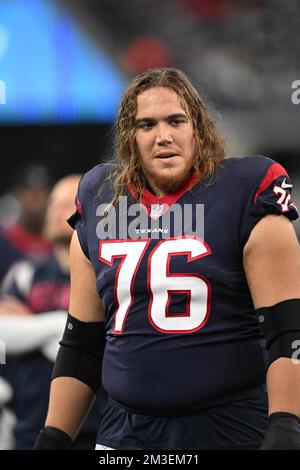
[
  {"x": 70, "y": 402},
  {"x": 27, "y": 333},
  {"x": 283, "y": 382}
]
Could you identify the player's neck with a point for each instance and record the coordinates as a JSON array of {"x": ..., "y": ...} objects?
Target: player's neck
[{"x": 172, "y": 186}]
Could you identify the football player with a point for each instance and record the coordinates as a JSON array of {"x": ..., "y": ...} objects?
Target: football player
[{"x": 169, "y": 316}]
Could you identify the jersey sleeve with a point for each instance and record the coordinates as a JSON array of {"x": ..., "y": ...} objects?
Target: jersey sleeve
[
  {"x": 266, "y": 190},
  {"x": 92, "y": 192},
  {"x": 78, "y": 220}
]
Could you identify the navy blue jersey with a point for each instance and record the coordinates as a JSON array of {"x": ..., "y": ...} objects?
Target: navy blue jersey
[{"x": 181, "y": 333}]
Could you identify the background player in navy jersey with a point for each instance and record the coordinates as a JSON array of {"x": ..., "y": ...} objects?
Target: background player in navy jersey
[
  {"x": 33, "y": 307},
  {"x": 23, "y": 238},
  {"x": 167, "y": 319}
]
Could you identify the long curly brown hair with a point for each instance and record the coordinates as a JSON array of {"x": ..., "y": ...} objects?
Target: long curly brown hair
[{"x": 210, "y": 146}]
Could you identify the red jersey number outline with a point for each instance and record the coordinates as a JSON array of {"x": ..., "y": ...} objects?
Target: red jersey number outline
[
  {"x": 197, "y": 309},
  {"x": 284, "y": 198}
]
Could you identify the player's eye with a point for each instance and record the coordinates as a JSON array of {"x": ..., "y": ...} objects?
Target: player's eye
[
  {"x": 145, "y": 125},
  {"x": 177, "y": 121}
]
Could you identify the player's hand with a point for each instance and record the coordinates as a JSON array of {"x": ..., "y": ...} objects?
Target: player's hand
[{"x": 283, "y": 432}]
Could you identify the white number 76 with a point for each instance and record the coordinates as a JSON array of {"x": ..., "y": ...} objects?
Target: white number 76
[{"x": 160, "y": 281}]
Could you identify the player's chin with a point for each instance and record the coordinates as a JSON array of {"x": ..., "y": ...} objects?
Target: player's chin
[
  {"x": 169, "y": 174},
  {"x": 171, "y": 180}
]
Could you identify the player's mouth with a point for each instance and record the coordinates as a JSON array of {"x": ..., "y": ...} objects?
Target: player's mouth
[{"x": 166, "y": 155}]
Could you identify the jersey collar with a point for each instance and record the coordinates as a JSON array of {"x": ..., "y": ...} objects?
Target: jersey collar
[{"x": 149, "y": 199}]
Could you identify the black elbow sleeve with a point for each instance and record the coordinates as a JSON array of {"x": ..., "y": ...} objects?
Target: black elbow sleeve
[
  {"x": 280, "y": 325},
  {"x": 81, "y": 352}
]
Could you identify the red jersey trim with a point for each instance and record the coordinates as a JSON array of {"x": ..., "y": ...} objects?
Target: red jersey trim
[
  {"x": 79, "y": 208},
  {"x": 27, "y": 242},
  {"x": 169, "y": 199},
  {"x": 273, "y": 172}
]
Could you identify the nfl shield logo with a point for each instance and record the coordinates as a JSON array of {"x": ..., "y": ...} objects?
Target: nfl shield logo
[{"x": 156, "y": 210}]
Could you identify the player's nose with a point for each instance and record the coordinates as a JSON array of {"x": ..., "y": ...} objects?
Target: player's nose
[{"x": 163, "y": 135}]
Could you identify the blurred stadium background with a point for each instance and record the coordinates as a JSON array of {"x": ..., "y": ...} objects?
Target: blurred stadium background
[{"x": 65, "y": 63}]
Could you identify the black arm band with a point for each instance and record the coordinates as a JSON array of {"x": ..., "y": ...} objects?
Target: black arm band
[
  {"x": 283, "y": 432},
  {"x": 81, "y": 352},
  {"x": 280, "y": 325},
  {"x": 51, "y": 438}
]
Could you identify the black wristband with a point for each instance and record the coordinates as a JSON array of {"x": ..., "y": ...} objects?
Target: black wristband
[
  {"x": 283, "y": 432},
  {"x": 282, "y": 414},
  {"x": 51, "y": 438}
]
